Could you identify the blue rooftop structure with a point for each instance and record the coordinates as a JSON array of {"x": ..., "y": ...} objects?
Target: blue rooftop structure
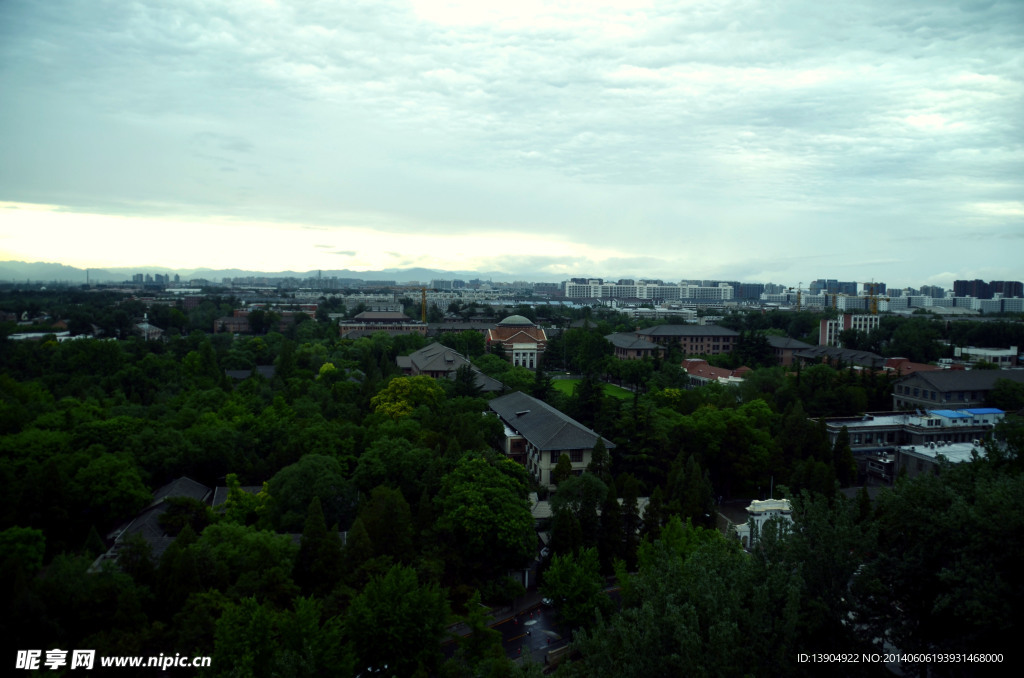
[
  {"x": 951, "y": 414},
  {"x": 985, "y": 410}
]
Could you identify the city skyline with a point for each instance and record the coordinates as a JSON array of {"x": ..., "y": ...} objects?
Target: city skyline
[
  {"x": 40, "y": 273},
  {"x": 697, "y": 140}
]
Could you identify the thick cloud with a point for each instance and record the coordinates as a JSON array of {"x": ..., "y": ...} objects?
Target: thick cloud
[{"x": 733, "y": 139}]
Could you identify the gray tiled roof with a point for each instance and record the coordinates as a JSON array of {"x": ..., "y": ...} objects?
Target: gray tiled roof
[
  {"x": 787, "y": 342},
  {"x": 265, "y": 371},
  {"x": 182, "y": 487},
  {"x": 382, "y": 317},
  {"x": 147, "y": 525},
  {"x": 542, "y": 425},
  {"x": 688, "y": 331},
  {"x": 437, "y": 358},
  {"x": 865, "y": 358},
  {"x": 220, "y": 494},
  {"x": 483, "y": 382},
  {"x": 630, "y": 341},
  {"x": 965, "y": 380}
]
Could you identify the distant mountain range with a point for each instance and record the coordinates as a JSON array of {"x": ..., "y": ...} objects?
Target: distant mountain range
[{"x": 37, "y": 272}]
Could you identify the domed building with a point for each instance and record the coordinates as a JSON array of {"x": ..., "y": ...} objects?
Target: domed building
[{"x": 522, "y": 340}]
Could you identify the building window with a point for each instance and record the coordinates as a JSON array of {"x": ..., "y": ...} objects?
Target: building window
[{"x": 576, "y": 456}]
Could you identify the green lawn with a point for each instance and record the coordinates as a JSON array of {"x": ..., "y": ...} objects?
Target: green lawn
[{"x": 566, "y": 386}]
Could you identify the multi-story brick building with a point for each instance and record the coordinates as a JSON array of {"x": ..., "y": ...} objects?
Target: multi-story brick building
[
  {"x": 692, "y": 339},
  {"x": 949, "y": 388}
]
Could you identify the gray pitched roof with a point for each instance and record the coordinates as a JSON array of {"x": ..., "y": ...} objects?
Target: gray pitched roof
[
  {"x": 147, "y": 525},
  {"x": 545, "y": 427},
  {"x": 220, "y": 494},
  {"x": 437, "y": 358},
  {"x": 382, "y": 317},
  {"x": 865, "y": 358},
  {"x": 483, "y": 382},
  {"x": 776, "y": 341},
  {"x": 688, "y": 331},
  {"x": 181, "y": 487},
  {"x": 965, "y": 380},
  {"x": 265, "y": 371},
  {"x": 630, "y": 341}
]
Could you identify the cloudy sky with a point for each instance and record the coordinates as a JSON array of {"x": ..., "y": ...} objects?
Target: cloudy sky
[{"x": 729, "y": 139}]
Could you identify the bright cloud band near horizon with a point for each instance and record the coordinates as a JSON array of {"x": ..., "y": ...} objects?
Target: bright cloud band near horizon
[{"x": 113, "y": 241}]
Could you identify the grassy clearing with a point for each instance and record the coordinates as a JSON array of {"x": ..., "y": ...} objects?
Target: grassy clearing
[{"x": 566, "y": 386}]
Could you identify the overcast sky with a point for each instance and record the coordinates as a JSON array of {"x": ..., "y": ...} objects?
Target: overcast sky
[{"x": 751, "y": 140}]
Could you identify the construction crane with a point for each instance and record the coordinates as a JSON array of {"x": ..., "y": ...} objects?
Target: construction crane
[
  {"x": 872, "y": 288},
  {"x": 799, "y": 287}
]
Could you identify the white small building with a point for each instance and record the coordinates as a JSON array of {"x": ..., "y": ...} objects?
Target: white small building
[{"x": 759, "y": 513}]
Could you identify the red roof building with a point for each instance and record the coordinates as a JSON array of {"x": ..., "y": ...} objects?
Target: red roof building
[{"x": 523, "y": 341}]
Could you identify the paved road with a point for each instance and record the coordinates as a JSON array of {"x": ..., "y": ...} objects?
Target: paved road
[{"x": 532, "y": 633}]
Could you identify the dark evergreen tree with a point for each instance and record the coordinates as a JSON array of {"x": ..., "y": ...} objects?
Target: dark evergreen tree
[
  {"x": 318, "y": 564},
  {"x": 562, "y": 470},
  {"x": 601, "y": 462},
  {"x": 610, "y": 542},
  {"x": 842, "y": 459}
]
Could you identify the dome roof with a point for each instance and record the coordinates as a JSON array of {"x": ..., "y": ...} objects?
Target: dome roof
[{"x": 516, "y": 320}]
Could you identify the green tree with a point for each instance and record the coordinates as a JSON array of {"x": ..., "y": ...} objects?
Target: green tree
[
  {"x": 842, "y": 459},
  {"x": 610, "y": 542},
  {"x": 582, "y": 496},
  {"x": 388, "y": 522},
  {"x": 631, "y": 521},
  {"x": 292, "y": 489},
  {"x": 397, "y": 623},
  {"x": 480, "y": 650},
  {"x": 318, "y": 564},
  {"x": 112, "y": 489},
  {"x": 484, "y": 517},
  {"x": 1007, "y": 395},
  {"x": 254, "y": 639},
  {"x": 465, "y": 385},
  {"x": 357, "y": 555},
  {"x": 21, "y": 552},
  {"x": 243, "y": 562},
  {"x": 241, "y": 507},
  {"x": 600, "y": 462},
  {"x": 944, "y": 578},
  {"x": 403, "y": 395},
  {"x": 574, "y": 583},
  {"x": 562, "y": 471},
  {"x": 396, "y": 462}
]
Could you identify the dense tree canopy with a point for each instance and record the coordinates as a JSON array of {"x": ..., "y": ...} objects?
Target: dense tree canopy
[{"x": 89, "y": 429}]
